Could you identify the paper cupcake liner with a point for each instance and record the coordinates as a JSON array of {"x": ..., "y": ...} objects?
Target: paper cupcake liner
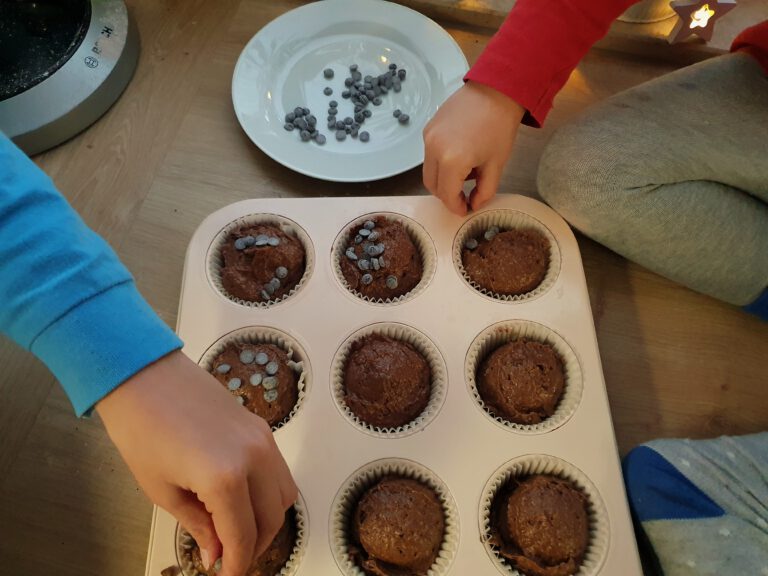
[
  {"x": 215, "y": 262},
  {"x": 421, "y": 240},
  {"x": 499, "y": 334},
  {"x": 352, "y": 490},
  {"x": 423, "y": 345},
  {"x": 185, "y": 543},
  {"x": 506, "y": 220},
  {"x": 534, "y": 464},
  {"x": 265, "y": 335}
]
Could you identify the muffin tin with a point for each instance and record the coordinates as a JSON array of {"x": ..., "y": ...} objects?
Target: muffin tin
[{"x": 459, "y": 444}]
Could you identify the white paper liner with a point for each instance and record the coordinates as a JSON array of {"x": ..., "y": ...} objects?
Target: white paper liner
[
  {"x": 291, "y": 565},
  {"x": 265, "y": 335},
  {"x": 421, "y": 239},
  {"x": 427, "y": 348},
  {"x": 506, "y": 220},
  {"x": 352, "y": 490},
  {"x": 214, "y": 261},
  {"x": 599, "y": 530},
  {"x": 498, "y": 334}
]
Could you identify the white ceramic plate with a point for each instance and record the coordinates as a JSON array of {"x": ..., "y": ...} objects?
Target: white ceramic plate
[{"x": 282, "y": 68}]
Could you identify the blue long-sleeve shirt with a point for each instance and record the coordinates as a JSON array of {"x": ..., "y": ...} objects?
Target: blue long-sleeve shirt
[{"x": 64, "y": 294}]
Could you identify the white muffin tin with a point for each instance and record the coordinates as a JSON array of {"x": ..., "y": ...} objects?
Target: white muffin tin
[{"x": 462, "y": 445}]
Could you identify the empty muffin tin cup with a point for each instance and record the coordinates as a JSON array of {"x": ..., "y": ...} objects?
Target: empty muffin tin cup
[
  {"x": 506, "y": 220},
  {"x": 532, "y": 465},
  {"x": 297, "y": 357},
  {"x": 215, "y": 261},
  {"x": 345, "y": 502},
  {"x": 501, "y": 333},
  {"x": 420, "y": 238},
  {"x": 185, "y": 544},
  {"x": 423, "y": 345}
]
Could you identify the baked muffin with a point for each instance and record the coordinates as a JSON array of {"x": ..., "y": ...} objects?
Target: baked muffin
[
  {"x": 387, "y": 383},
  {"x": 380, "y": 259},
  {"x": 261, "y": 263},
  {"x": 521, "y": 381},
  {"x": 397, "y": 528},
  {"x": 270, "y": 562},
  {"x": 261, "y": 376},
  {"x": 510, "y": 263},
  {"x": 541, "y": 525}
]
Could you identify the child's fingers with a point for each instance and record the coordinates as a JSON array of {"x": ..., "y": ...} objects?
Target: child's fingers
[
  {"x": 488, "y": 178},
  {"x": 230, "y": 503},
  {"x": 267, "y": 506},
  {"x": 429, "y": 173},
  {"x": 450, "y": 182},
  {"x": 193, "y": 516}
]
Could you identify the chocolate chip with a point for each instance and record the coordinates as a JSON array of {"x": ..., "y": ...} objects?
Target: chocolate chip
[
  {"x": 393, "y": 66},
  {"x": 290, "y": 117},
  {"x": 391, "y": 282},
  {"x": 269, "y": 383},
  {"x": 358, "y": 239},
  {"x": 223, "y": 368},
  {"x": 328, "y": 91},
  {"x": 288, "y": 126},
  {"x": 328, "y": 73},
  {"x": 273, "y": 241},
  {"x": 320, "y": 139},
  {"x": 491, "y": 232},
  {"x": 262, "y": 240},
  {"x": 364, "y": 264},
  {"x": 353, "y": 67},
  {"x": 265, "y": 295},
  {"x": 396, "y": 112},
  {"x": 364, "y": 136},
  {"x": 298, "y": 112},
  {"x": 247, "y": 356},
  {"x": 332, "y": 111},
  {"x": 270, "y": 395},
  {"x": 364, "y": 232},
  {"x": 471, "y": 244},
  {"x": 305, "y": 111},
  {"x": 272, "y": 368},
  {"x": 241, "y": 401},
  {"x": 305, "y": 136},
  {"x": 234, "y": 384},
  {"x": 403, "y": 118},
  {"x": 366, "y": 279},
  {"x": 377, "y": 101},
  {"x": 350, "y": 253},
  {"x": 281, "y": 272},
  {"x": 262, "y": 358},
  {"x": 367, "y": 113},
  {"x": 341, "y": 135},
  {"x": 240, "y": 244},
  {"x": 256, "y": 379}
]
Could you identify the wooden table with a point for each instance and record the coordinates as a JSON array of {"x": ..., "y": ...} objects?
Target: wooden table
[{"x": 170, "y": 152}]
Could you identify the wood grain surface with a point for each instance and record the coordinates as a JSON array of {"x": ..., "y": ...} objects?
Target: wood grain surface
[{"x": 170, "y": 152}]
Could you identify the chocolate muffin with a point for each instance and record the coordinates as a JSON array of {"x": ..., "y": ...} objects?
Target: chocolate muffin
[
  {"x": 261, "y": 263},
  {"x": 510, "y": 263},
  {"x": 521, "y": 381},
  {"x": 261, "y": 376},
  {"x": 397, "y": 528},
  {"x": 541, "y": 525},
  {"x": 270, "y": 563},
  {"x": 387, "y": 383},
  {"x": 380, "y": 259}
]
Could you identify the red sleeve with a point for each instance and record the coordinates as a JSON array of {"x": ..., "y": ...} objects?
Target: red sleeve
[
  {"x": 538, "y": 46},
  {"x": 754, "y": 41}
]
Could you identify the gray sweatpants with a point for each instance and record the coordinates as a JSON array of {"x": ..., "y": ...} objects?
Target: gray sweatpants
[{"x": 673, "y": 174}]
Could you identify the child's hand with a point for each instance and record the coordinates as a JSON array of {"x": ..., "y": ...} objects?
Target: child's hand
[
  {"x": 202, "y": 457},
  {"x": 474, "y": 130}
]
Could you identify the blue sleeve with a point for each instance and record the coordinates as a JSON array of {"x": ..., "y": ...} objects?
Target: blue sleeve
[{"x": 64, "y": 295}]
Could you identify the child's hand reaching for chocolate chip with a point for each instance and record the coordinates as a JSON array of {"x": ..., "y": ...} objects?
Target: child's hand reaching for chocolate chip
[
  {"x": 473, "y": 131},
  {"x": 199, "y": 455}
]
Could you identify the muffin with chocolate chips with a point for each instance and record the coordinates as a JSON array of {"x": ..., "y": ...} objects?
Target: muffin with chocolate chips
[
  {"x": 380, "y": 260},
  {"x": 270, "y": 563},
  {"x": 261, "y": 377},
  {"x": 510, "y": 262},
  {"x": 521, "y": 381},
  {"x": 260, "y": 262},
  {"x": 540, "y": 524},
  {"x": 387, "y": 383},
  {"x": 397, "y": 528}
]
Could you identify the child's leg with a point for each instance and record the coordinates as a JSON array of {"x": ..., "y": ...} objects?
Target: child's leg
[
  {"x": 673, "y": 174},
  {"x": 703, "y": 504}
]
